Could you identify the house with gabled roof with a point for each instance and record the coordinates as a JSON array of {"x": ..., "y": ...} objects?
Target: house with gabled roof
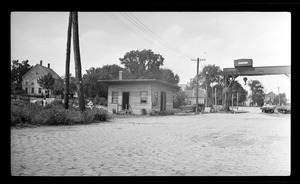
[
  {"x": 29, "y": 80},
  {"x": 191, "y": 96},
  {"x": 269, "y": 98}
]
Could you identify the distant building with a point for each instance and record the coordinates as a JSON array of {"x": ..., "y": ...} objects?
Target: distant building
[
  {"x": 29, "y": 80},
  {"x": 270, "y": 97},
  {"x": 191, "y": 96},
  {"x": 138, "y": 94}
]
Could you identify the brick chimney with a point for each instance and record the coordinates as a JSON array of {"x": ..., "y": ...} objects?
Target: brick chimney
[
  {"x": 48, "y": 65},
  {"x": 120, "y": 75},
  {"x": 41, "y": 62}
]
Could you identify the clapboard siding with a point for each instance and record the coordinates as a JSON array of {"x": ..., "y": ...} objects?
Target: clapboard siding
[
  {"x": 169, "y": 96},
  {"x": 135, "y": 90},
  {"x": 134, "y": 96}
]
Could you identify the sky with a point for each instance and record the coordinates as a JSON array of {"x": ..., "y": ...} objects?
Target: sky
[{"x": 104, "y": 37}]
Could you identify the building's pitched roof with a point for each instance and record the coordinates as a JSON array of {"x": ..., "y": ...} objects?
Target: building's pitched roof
[
  {"x": 192, "y": 93},
  {"x": 140, "y": 80},
  {"x": 270, "y": 94},
  {"x": 45, "y": 69}
]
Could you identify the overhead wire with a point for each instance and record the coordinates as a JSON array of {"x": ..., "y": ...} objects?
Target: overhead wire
[
  {"x": 144, "y": 30},
  {"x": 163, "y": 41},
  {"x": 126, "y": 26}
]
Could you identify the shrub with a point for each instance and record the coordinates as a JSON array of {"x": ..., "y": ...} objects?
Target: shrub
[
  {"x": 53, "y": 114},
  {"x": 100, "y": 101},
  {"x": 90, "y": 115},
  {"x": 23, "y": 112}
]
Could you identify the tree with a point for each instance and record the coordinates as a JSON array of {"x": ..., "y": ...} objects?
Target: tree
[
  {"x": 168, "y": 76},
  {"x": 208, "y": 76},
  {"x": 46, "y": 82},
  {"x": 143, "y": 64},
  {"x": 235, "y": 88},
  {"x": 68, "y": 53},
  {"x": 92, "y": 87},
  {"x": 58, "y": 86},
  {"x": 283, "y": 99},
  {"x": 77, "y": 61},
  {"x": 179, "y": 99},
  {"x": 257, "y": 92},
  {"x": 16, "y": 74}
]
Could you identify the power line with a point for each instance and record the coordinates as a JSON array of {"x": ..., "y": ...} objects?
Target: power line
[
  {"x": 149, "y": 30},
  {"x": 119, "y": 21},
  {"x": 151, "y": 35}
]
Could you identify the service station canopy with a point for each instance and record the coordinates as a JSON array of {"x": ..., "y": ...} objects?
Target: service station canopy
[{"x": 243, "y": 67}]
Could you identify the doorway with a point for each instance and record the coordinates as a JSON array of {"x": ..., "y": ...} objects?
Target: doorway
[
  {"x": 163, "y": 101},
  {"x": 125, "y": 100}
]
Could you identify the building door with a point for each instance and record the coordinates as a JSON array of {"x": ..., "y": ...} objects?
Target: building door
[
  {"x": 163, "y": 101},
  {"x": 125, "y": 100}
]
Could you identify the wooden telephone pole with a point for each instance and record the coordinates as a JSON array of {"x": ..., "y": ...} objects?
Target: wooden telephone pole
[
  {"x": 73, "y": 24},
  {"x": 77, "y": 61},
  {"x": 68, "y": 52},
  {"x": 197, "y": 83}
]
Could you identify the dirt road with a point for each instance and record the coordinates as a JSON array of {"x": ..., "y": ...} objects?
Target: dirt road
[{"x": 247, "y": 144}]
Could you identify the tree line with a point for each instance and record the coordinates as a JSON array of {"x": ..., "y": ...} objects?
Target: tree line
[{"x": 143, "y": 64}]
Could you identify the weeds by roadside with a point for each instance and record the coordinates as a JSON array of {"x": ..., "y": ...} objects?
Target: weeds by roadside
[{"x": 25, "y": 113}]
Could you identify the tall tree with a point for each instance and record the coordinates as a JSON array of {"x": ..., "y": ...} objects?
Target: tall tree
[
  {"x": 68, "y": 52},
  {"x": 143, "y": 64},
  {"x": 58, "y": 86},
  {"x": 168, "y": 76},
  {"x": 18, "y": 69},
  {"x": 77, "y": 61},
  {"x": 209, "y": 76},
  {"x": 92, "y": 87},
  {"x": 46, "y": 82},
  {"x": 257, "y": 92},
  {"x": 235, "y": 88},
  {"x": 283, "y": 99}
]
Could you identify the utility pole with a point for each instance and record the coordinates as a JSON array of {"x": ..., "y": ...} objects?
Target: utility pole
[
  {"x": 237, "y": 101},
  {"x": 77, "y": 61},
  {"x": 197, "y": 77},
  {"x": 232, "y": 100},
  {"x": 67, "y": 74},
  {"x": 206, "y": 95},
  {"x": 279, "y": 95},
  {"x": 215, "y": 99}
]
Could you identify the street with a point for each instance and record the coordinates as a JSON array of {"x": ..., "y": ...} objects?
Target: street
[{"x": 212, "y": 144}]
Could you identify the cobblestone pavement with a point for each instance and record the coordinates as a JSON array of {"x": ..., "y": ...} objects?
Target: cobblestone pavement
[{"x": 247, "y": 144}]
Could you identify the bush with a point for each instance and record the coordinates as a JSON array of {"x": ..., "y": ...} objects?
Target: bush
[
  {"x": 100, "y": 101},
  {"x": 23, "y": 112},
  {"x": 90, "y": 115},
  {"x": 53, "y": 114}
]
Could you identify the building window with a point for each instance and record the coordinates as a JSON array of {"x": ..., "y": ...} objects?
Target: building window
[
  {"x": 26, "y": 90},
  {"x": 155, "y": 99},
  {"x": 32, "y": 90},
  {"x": 32, "y": 83},
  {"x": 144, "y": 96},
  {"x": 114, "y": 98},
  {"x": 40, "y": 90},
  {"x": 26, "y": 82}
]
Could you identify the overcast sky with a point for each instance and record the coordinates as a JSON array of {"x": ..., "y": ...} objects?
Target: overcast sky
[{"x": 219, "y": 37}]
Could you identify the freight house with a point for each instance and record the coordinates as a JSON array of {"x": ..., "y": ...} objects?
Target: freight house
[{"x": 138, "y": 94}]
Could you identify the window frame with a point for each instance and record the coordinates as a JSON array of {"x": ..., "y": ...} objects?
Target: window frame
[
  {"x": 144, "y": 100},
  {"x": 113, "y": 96},
  {"x": 155, "y": 102}
]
